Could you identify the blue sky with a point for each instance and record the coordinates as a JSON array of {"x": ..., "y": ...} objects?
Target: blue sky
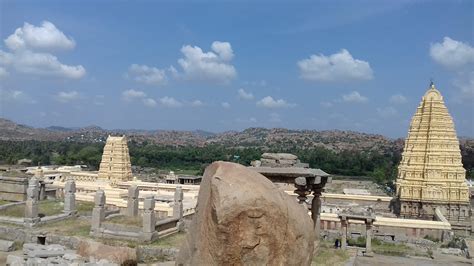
[{"x": 349, "y": 65}]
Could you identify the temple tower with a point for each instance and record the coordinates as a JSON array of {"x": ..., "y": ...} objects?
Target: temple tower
[
  {"x": 430, "y": 173},
  {"x": 115, "y": 165}
]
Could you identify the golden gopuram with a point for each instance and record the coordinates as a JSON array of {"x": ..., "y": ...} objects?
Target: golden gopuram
[
  {"x": 115, "y": 165},
  {"x": 431, "y": 174}
]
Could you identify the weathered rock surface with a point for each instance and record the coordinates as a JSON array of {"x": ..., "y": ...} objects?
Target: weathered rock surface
[
  {"x": 243, "y": 219},
  {"x": 279, "y": 156},
  {"x": 6, "y": 245}
]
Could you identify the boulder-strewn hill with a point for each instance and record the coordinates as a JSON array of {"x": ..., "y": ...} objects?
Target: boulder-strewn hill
[{"x": 253, "y": 137}]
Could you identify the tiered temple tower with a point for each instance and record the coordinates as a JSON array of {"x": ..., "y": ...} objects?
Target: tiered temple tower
[
  {"x": 115, "y": 165},
  {"x": 430, "y": 173}
]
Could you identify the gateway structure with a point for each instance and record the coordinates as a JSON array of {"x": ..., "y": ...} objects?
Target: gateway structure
[
  {"x": 430, "y": 174},
  {"x": 115, "y": 165}
]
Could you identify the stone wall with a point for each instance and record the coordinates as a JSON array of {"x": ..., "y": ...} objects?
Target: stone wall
[{"x": 13, "y": 188}]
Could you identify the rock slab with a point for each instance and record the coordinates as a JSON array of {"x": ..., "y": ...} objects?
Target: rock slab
[
  {"x": 242, "y": 218},
  {"x": 6, "y": 245}
]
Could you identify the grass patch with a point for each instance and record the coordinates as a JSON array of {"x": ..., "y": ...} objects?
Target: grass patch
[
  {"x": 48, "y": 208},
  {"x": 126, "y": 220},
  {"x": 389, "y": 249},
  {"x": 172, "y": 241},
  {"x": 328, "y": 255},
  {"x": 69, "y": 227},
  {"x": 3, "y": 202},
  {"x": 84, "y": 207}
]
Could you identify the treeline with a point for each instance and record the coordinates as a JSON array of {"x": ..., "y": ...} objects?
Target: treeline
[{"x": 380, "y": 167}]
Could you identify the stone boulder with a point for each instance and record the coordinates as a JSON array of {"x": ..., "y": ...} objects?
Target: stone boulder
[
  {"x": 279, "y": 156},
  {"x": 242, "y": 218}
]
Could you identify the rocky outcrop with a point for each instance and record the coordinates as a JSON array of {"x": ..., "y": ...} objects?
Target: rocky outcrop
[{"x": 243, "y": 219}]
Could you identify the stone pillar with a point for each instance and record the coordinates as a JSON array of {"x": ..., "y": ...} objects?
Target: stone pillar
[
  {"x": 315, "y": 212},
  {"x": 343, "y": 232},
  {"x": 31, "y": 205},
  {"x": 70, "y": 197},
  {"x": 368, "y": 238},
  {"x": 149, "y": 220},
  {"x": 178, "y": 207},
  {"x": 98, "y": 213},
  {"x": 132, "y": 203},
  {"x": 178, "y": 203}
]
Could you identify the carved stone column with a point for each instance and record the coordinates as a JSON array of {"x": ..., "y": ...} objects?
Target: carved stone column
[
  {"x": 70, "y": 197},
  {"x": 343, "y": 232},
  {"x": 368, "y": 238},
  {"x": 98, "y": 213},
  {"x": 31, "y": 205},
  {"x": 316, "y": 212},
  {"x": 149, "y": 221},
  {"x": 132, "y": 201}
]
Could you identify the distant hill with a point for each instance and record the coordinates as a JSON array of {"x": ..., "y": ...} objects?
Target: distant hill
[{"x": 280, "y": 138}]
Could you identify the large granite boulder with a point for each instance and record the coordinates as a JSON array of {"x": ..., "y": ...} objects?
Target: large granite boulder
[{"x": 243, "y": 219}]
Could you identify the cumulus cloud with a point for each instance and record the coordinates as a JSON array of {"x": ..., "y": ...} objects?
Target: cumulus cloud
[
  {"x": 225, "y": 105},
  {"x": 354, "y": 97},
  {"x": 147, "y": 75},
  {"x": 398, "y": 99},
  {"x": 336, "y": 67},
  {"x": 197, "y": 103},
  {"x": 170, "y": 102},
  {"x": 386, "y": 111},
  {"x": 44, "y": 37},
  {"x": 269, "y": 102},
  {"x": 67, "y": 96},
  {"x": 149, "y": 102},
  {"x": 245, "y": 95},
  {"x": 132, "y": 94},
  {"x": 212, "y": 66},
  {"x": 27, "y": 46},
  {"x": 16, "y": 96},
  {"x": 451, "y": 53}
]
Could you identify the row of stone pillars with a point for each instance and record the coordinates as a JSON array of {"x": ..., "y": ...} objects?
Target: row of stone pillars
[
  {"x": 31, "y": 204},
  {"x": 149, "y": 216}
]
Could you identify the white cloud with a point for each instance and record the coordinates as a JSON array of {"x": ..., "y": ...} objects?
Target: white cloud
[
  {"x": 225, "y": 105},
  {"x": 336, "y": 67},
  {"x": 398, "y": 99},
  {"x": 269, "y": 102},
  {"x": 213, "y": 66},
  {"x": 149, "y": 102},
  {"x": 245, "y": 95},
  {"x": 25, "y": 57},
  {"x": 326, "y": 104},
  {"x": 15, "y": 96},
  {"x": 3, "y": 73},
  {"x": 387, "y": 111},
  {"x": 67, "y": 96},
  {"x": 44, "y": 37},
  {"x": 253, "y": 119},
  {"x": 147, "y": 75},
  {"x": 132, "y": 94},
  {"x": 451, "y": 53},
  {"x": 42, "y": 64},
  {"x": 197, "y": 103},
  {"x": 354, "y": 97},
  {"x": 170, "y": 102}
]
